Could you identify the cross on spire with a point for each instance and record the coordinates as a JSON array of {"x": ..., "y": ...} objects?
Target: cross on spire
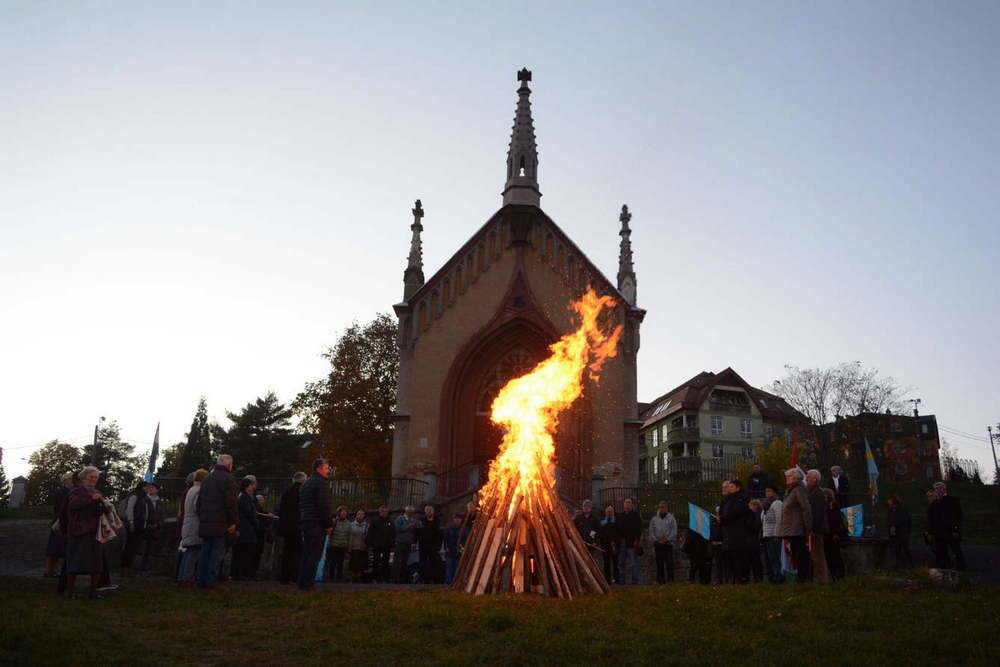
[{"x": 522, "y": 155}]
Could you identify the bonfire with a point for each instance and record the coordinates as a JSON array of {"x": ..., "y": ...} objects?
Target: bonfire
[{"x": 523, "y": 540}]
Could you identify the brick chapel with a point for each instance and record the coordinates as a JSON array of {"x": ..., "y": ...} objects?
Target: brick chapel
[{"x": 487, "y": 316}]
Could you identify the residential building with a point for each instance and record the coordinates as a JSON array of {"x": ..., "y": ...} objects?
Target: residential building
[
  {"x": 906, "y": 447},
  {"x": 700, "y": 428}
]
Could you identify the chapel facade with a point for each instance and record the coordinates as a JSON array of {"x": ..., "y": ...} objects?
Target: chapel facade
[{"x": 487, "y": 316}]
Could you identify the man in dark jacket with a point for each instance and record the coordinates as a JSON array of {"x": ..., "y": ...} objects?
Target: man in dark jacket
[
  {"x": 630, "y": 529},
  {"x": 381, "y": 538},
  {"x": 840, "y": 484},
  {"x": 217, "y": 516},
  {"x": 316, "y": 512},
  {"x": 290, "y": 530},
  {"x": 429, "y": 540},
  {"x": 900, "y": 527},
  {"x": 757, "y": 482},
  {"x": 735, "y": 521},
  {"x": 944, "y": 523}
]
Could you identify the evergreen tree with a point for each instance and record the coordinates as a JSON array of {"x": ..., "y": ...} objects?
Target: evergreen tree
[
  {"x": 4, "y": 486},
  {"x": 121, "y": 468},
  {"x": 259, "y": 438},
  {"x": 198, "y": 450},
  {"x": 170, "y": 461}
]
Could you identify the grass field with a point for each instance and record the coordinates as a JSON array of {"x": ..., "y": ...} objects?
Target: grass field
[{"x": 864, "y": 621}]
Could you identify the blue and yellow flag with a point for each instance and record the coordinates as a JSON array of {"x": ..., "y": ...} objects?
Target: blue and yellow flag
[
  {"x": 855, "y": 519},
  {"x": 872, "y": 473},
  {"x": 700, "y": 521}
]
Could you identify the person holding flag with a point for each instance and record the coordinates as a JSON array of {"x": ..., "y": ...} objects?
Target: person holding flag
[{"x": 796, "y": 525}]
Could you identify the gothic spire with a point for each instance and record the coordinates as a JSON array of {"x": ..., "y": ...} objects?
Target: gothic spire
[
  {"x": 413, "y": 277},
  {"x": 522, "y": 155},
  {"x": 626, "y": 272}
]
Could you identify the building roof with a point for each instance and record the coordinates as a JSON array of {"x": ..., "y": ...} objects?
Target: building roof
[{"x": 692, "y": 394}]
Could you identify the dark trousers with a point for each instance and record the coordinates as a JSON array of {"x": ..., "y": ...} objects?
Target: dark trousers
[
  {"x": 834, "y": 559},
  {"x": 431, "y": 570},
  {"x": 901, "y": 558},
  {"x": 380, "y": 566},
  {"x": 611, "y": 574},
  {"x": 738, "y": 565},
  {"x": 800, "y": 552},
  {"x": 213, "y": 550},
  {"x": 335, "y": 562},
  {"x": 772, "y": 558},
  {"x": 291, "y": 555},
  {"x": 401, "y": 561},
  {"x": 700, "y": 569},
  {"x": 243, "y": 566},
  {"x": 941, "y": 547},
  {"x": 131, "y": 546},
  {"x": 756, "y": 564},
  {"x": 312, "y": 551},
  {"x": 664, "y": 561}
]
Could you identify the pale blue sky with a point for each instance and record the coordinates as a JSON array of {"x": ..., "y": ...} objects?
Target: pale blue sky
[{"x": 195, "y": 197}]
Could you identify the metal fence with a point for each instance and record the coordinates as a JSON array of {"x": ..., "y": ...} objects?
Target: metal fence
[{"x": 355, "y": 492}]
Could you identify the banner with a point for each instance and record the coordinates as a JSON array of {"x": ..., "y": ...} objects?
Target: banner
[
  {"x": 700, "y": 521},
  {"x": 854, "y": 516}
]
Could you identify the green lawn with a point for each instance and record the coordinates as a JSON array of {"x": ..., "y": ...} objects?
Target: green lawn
[{"x": 866, "y": 621}]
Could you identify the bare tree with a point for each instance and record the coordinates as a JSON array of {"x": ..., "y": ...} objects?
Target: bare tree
[{"x": 845, "y": 389}]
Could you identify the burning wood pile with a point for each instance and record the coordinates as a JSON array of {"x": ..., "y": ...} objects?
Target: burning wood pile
[{"x": 523, "y": 540}]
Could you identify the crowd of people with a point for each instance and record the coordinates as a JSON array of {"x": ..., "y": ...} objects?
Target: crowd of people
[{"x": 756, "y": 533}]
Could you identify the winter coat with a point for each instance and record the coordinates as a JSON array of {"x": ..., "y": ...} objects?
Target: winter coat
[
  {"x": 796, "y": 515},
  {"x": 381, "y": 533},
  {"x": 608, "y": 533},
  {"x": 817, "y": 505},
  {"x": 84, "y": 513},
  {"x": 736, "y": 521},
  {"x": 587, "y": 526},
  {"x": 899, "y": 518},
  {"x": 771, "y": 519},
  {"x": 406, "y": 530},
  {"x": 944, "y": 517},
  {"x": 216, "y": 506},
  {"x": 316, "y": 502},
  {"x": 289, "y": 521},
  {"x": 755, "y": 531},
  {"x": 663, "y": 528},
  {"x": 835, "y": 521},
  {"x": 429, "y": 535},
  {"x": 248, "y": 519},
  {"x": 357, "y": 539},
  {"x": 189, "y": 529},
  {"x": 341, "y": 535},
  {"x": 630, "y": 526},
  {"x": 756, "y": 483},
  {"x": 841, "y": 491}
]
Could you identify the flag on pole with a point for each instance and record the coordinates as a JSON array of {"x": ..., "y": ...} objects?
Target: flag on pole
[
  {"x": 855, "y": 517},
  {"x": 872, "y": 473},
  {"x": 789, "y": 567},
  {"x": 700, "y": 521},
  {"x": 153, "y": 455}
]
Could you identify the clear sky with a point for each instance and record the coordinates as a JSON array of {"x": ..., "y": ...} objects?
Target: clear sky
[{"x": 195, "y": 197}]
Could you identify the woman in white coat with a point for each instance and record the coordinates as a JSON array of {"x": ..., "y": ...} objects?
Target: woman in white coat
[{"x": 190, "y": 541}]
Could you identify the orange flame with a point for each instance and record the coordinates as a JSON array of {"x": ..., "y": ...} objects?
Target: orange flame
[{"x": 529, "y": 406}]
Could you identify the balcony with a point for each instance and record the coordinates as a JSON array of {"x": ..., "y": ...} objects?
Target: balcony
[
  {"x": 725, "y": 406},
  {"x": 688, "y": 434}
]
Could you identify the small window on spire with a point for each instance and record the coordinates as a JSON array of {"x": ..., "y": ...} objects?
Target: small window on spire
[{"x": 520, "y": 171}]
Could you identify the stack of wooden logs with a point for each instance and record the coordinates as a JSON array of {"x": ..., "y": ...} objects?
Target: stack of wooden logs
[{"x": 524, "y": 541}]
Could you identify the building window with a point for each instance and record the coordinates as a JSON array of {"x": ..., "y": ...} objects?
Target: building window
[
  {"x": 746, "y": 428},
  {"x": 930, "y": 472},
  {"x": 663, "y": 433},
  {"x": 717, "y": 451},
  {"x": 901, "y": 469},
  {"x": 923, "y": 429},
  {"x": 748, "y": 452},
  {"x": 656, "y": 437},
  {"x": 897, "y": 427},
  {"x": 769, "y": 430},
  {"x": 678, "y": 422},
  {"x": 899, "y": 448},
  {"x": 666, "y": 455},
  {"x": 716, "y": 425},
  {"x": 656, "y": 465}
]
